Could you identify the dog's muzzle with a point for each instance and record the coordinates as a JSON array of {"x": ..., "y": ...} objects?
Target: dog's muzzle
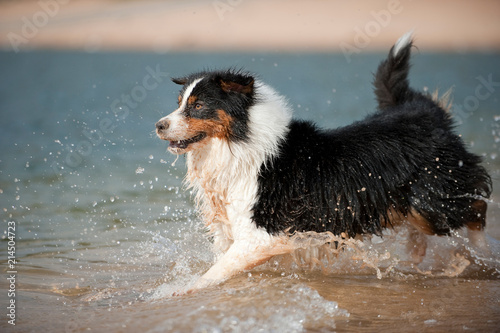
[{"x": 161, "y": 126}]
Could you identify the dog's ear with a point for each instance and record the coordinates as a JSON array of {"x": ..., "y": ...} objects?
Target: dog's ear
[
  {"x": 243, "y": 86},
  {"x": 180, "y": 80}
]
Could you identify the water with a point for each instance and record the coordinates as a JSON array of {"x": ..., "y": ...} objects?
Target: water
[{"x": 105, "y": 233}]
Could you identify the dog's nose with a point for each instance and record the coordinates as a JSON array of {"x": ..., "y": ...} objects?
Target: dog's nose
[{"x": 161, "y": 125}]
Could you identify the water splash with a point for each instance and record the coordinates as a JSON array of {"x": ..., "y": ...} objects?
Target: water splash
[
  {"x": 162, "y": 246},
  {"x": 186, "y": 259},
  {"x": 386, "y": 255},
  {"x": 261, "y": 305},
  {"x": 175, "y": 161},
  {"x": 324, "y": 251}
]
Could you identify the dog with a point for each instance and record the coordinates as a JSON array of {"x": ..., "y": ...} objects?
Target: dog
[{"x": 261, "y": 176}]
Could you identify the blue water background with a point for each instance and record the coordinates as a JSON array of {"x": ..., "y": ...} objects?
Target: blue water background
[{"x": 66, "y": 177}]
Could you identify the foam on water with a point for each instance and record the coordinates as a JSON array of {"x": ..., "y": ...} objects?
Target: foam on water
[{"x": 264, "y": 306}]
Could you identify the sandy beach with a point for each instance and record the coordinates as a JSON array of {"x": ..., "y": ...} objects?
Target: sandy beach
[{"x": 248, "y": 25}]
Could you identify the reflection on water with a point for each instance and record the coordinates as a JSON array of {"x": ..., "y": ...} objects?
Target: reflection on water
[{"x": 105, "y": 233}]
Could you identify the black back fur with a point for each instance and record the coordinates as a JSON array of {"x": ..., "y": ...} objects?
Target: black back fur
[{"x": 403, "y": 158}]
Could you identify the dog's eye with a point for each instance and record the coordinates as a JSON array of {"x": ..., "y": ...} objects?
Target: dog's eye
[{"x": 198, "y": 106}]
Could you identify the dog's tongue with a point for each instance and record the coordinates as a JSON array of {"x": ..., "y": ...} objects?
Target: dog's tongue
[{"x": 182, "y": 144}]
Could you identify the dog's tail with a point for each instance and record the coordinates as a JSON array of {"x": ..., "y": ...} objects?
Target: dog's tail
[{"x": 391, "y": 80}]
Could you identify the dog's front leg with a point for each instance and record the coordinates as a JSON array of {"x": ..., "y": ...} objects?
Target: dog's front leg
[{"x": 241, "y": 256}]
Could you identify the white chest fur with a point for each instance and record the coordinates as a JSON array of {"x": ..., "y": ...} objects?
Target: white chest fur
[{"x": 226, "y": 189}]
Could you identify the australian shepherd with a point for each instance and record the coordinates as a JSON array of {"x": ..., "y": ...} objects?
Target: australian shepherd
[{"x": 261, "y": 176}]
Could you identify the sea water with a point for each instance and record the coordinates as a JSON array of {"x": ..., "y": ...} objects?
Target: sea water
[{"x": 99, "y": 232}]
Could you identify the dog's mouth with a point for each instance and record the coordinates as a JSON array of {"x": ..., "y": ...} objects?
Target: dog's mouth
[{"x": 180, "y": 145}]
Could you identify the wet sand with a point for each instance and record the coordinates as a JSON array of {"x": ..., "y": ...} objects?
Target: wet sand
[{"x": 245, "y": 25}]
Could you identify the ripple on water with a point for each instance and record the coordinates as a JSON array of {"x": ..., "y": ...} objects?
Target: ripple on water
[{"x": 268, "y": 305}]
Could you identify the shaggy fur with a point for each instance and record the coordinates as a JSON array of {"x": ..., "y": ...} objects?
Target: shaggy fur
[{"x": 261, "y": 176}]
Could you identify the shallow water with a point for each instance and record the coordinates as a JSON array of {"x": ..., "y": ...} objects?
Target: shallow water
[{"x": 105, "y": 233}]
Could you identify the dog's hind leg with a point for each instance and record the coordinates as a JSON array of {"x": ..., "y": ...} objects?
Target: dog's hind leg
[
  {"x": 419, "y": 228},
  {"x": 475, "y": 227},
  {"x": 417, "y": 245}
]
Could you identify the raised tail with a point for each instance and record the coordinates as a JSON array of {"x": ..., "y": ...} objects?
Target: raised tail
[{"x": 391, "y": 80}]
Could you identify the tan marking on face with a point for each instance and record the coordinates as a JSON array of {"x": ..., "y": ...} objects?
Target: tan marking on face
[
  {"x": 191, "y": 100},
  {"x": 220, "y": 128}
]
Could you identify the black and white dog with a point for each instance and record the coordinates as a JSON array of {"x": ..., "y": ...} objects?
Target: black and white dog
[{"x": 261, "y": 176}]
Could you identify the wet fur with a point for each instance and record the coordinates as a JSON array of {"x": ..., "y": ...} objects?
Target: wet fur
[{"x": 261, "y": 176}]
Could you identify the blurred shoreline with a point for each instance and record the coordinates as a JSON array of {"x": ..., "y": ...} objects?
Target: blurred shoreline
[{"x": 248, "y": 25}]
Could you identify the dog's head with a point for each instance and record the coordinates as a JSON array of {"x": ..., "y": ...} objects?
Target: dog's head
[{"x": 211, "y": 105}]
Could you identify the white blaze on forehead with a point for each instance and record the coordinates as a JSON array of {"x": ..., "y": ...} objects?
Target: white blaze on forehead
[
  {"x": 177, "y": 125},
  {"x": 188, "y": 92},
  {"x": 176, "y": 116}
]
